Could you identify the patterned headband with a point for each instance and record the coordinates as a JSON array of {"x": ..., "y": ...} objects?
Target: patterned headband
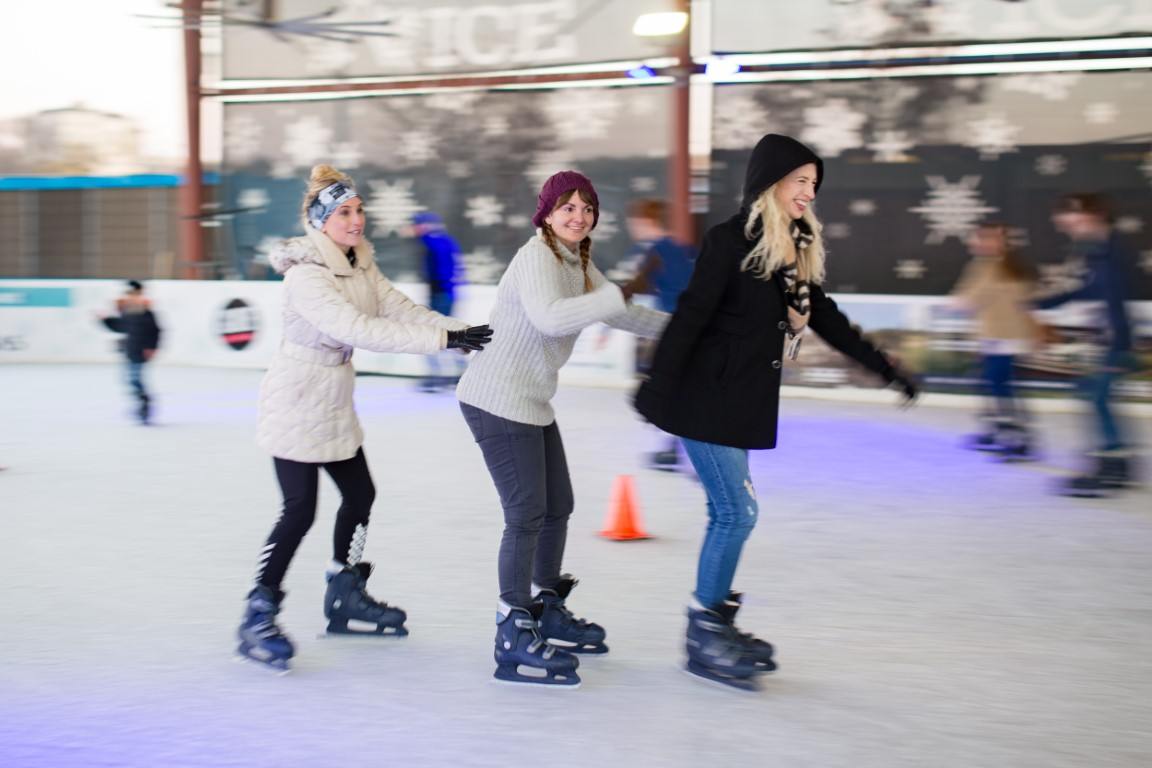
[{"x": 328, "y": 201}]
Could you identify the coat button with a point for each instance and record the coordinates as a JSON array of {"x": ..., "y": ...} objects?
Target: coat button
[
  {"x": 782, "y": 325},
  {"x": 775, "y": 363}
]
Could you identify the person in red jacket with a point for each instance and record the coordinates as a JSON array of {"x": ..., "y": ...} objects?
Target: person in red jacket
[{"x": 715, "y": 378}]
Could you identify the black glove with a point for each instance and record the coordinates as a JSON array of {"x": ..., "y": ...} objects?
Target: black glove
[
  {"x": 473, "y": 338},
  {"x": 906, "y": 384}
]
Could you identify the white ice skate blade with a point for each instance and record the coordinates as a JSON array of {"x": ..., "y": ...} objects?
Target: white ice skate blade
[
  {"x": 752, "y": 690},
  {"x": 529, "y": 684},
  {"x": 240, "y": 658}
]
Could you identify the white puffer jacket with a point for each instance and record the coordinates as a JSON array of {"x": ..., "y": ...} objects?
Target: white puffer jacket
[{"x": 330, "y": 307}]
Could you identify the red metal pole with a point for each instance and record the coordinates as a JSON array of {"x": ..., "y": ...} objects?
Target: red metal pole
[
  {"x": 679, "y": 157},
  {"x": 192, "y": 192}
]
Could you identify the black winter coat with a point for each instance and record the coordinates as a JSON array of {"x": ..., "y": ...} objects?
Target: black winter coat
[
  {"x": 141, "y": 333},
  {"x": 716, "y": 373}
]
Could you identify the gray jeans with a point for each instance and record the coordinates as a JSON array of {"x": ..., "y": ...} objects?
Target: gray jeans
[{"x": 530, "y": 471}]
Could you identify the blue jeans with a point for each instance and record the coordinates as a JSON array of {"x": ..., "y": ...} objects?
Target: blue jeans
[
  {"x": 1097, "y": 388},
  {"x": 732, "y": 514}
]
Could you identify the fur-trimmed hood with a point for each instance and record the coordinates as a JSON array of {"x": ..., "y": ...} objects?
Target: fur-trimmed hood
[{"x": 317, "y": 248}]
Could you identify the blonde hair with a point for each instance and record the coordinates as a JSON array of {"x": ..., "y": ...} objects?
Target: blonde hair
[
  {"x": 321, "y": 177},
  {"x": 585, "y": 244},
  {"x": 775, "y": 246}
]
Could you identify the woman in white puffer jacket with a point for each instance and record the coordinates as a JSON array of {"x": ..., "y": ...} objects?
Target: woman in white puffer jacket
[{"x": 335, "y": 299}]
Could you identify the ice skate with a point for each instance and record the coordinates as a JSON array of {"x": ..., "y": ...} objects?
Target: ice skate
[
  {"x": 261, "y": 640},
  {"x": 347, "y": 600},
  {"x": 761, "y": 650},
  {"x": 521, "y": 654},
  {"x": 560, "y": 628},
  {"x": 716, "y": 652}
]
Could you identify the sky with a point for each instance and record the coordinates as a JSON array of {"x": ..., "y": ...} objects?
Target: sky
[{"x": 99, "y": 54}]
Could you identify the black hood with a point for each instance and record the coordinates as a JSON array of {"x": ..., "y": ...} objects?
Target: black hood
[{"x": 775, "y": 157}]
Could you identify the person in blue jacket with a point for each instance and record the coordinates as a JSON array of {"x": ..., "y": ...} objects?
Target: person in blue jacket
[
  {"x": 1087, "y": 220},
  {"x": 441, "y": 266}
]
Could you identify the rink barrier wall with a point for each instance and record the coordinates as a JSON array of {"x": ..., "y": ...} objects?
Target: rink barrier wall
[{"x": 237, "y": 324}]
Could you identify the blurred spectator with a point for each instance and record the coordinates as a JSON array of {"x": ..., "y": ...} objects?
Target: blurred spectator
[
  {"x": 1087, "y": 220},
  {"x": 441, "y": 264},
  {"x": 665, "y": 267},
  {"x": 996, "y": 287},
  {"x": 135, "y": 320}
]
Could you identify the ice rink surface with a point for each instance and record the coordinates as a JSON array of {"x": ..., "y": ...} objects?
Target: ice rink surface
[{"x": 930, "y": 607}]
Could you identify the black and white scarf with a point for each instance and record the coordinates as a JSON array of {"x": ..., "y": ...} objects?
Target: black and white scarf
[{"x": 797, "y": 292}]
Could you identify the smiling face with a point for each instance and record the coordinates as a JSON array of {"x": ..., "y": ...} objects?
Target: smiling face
[
  {"x": 571, "y": 219},
  {"x": 796, "y": 191},
  {"x": 345, "y": 226}
]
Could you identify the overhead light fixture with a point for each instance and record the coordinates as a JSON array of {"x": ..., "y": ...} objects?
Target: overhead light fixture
[
  {"x": 660, "y": 24},
  {"x": 642, "y": 72}
]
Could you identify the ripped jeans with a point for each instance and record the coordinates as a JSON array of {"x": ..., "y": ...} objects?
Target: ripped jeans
[{"x": 732, "y": 513}]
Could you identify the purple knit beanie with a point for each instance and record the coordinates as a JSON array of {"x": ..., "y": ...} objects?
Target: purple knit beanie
[{"x": 556, "y": 186}]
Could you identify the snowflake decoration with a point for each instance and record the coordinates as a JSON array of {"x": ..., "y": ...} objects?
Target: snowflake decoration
[
  {"x": 1146, "y": 261},
  {"x": 494, "y": 125},
  {"x": 1130, "y": 225},
  {"x": 738, "y": 122},
  {"x": 283, "y": 168},
  {"x": 243, "y": 139},
  {"x": 458, "y": 169},
  {"x": 544, "y": 164},
  {"x": 1100, "y": 113},
  {"x": 1051, "y": 165},
  {"x": 346, "y": 154},
  {"x": 1062, "y": 277},
  {"x": 390, "y": 206},
  {"x": 643, "y": 184},
  {"x": 484, "y": 211},
  {"x": 307, "y": 141},
  {"x": 862, "y": 207},
  {"x": 518, "y": 221},
  {"x": 993, "y": 136},
  {"x": 952, "y": 209},
  {"x": 833, "y": 127},
  {"x": 417, "y": 147},
  {"x": 607, "y": 226},
  {"x": 889, "y": 147},
  {"x": 253, "y": 198},
  {"x": 480, "y": 268},
  {"x": 910, "y": 269},
  {"x": 1053, "y": 87},
  {"x": 582, "y": 113},
  {"x": 838, "y": 230}
]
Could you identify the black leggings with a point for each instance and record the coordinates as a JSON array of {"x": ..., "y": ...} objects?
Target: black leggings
[{"x": 299, "y": 484}]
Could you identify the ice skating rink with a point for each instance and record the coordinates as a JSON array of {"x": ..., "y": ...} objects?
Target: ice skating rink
[{"x": 930, "y": 607}]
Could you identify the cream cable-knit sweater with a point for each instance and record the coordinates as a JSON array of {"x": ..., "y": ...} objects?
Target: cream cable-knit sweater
[{"x": 541, "y": 307}]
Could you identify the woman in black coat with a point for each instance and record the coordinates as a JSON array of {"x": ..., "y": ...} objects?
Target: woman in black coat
[{"x": 715, "y": 378}]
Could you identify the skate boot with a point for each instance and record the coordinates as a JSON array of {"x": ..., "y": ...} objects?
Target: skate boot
[
  {"x": 560, "y": 628},
  {"x": 1113, "y": 472},
  {"x": 760, "y": 650},
  {"x": 260, "y": 639},
  {"x": 347, "y": 600},
  {"x": 717, "y": 652},
  {"x": 664, "y": 461},
  {"x": 1015, "y": 443},
  {"x": 521, "y": 654},
  {"x": 144, "y": 410}
]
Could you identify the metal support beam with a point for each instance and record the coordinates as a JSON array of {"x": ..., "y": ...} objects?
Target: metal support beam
[
  {"x": 192, "y": 192},
  {"x": 679, "y": 155}
]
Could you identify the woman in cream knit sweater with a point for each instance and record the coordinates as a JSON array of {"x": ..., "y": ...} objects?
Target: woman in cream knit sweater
[
  {"x": 335, "y": 299},
  {"x": 550, "y": 292}
]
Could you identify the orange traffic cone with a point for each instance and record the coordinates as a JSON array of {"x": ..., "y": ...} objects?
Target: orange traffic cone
[{"x": 623, "y": 521}]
